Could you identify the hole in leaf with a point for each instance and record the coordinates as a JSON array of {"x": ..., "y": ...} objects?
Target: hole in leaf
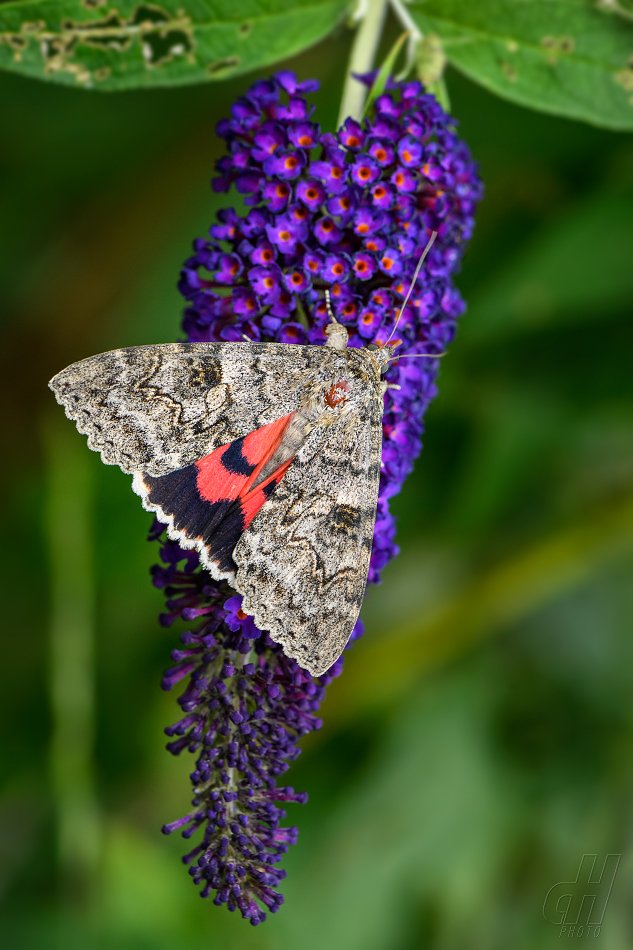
[
  {"x": 158, "y": 48},
  {"x": 221, "y": 66},
  {"x": 147, "y": 14}
]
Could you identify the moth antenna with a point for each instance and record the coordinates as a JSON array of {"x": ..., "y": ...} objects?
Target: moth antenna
[
  {"x": 412, "y": 284},
  {"x": 328, "y": 304},
  {"x": 419, "y": 356},
  {"x": 336, "y": 333}
]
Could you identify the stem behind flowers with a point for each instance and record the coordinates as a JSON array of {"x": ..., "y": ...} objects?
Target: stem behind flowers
[{"x": 362, "y": 58}]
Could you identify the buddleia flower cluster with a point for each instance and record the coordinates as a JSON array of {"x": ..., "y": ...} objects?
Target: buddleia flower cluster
[{"x": 350, "y": 213}]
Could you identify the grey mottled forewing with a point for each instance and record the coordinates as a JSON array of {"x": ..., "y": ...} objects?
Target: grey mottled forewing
[
  {"x": 158, "y": 408},
  {"x": 303, "y": 563}
]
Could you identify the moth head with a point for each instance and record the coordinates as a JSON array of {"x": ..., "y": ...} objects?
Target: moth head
[
  {"x": 336, "y": 335},
  {"x": 383, "y": 353}
]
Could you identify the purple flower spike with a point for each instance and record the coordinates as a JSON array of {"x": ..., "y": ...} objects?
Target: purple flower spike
[
  {"x": 335, "y": 269},
  {"x": 245, "y": 705},
  {"x": 364, "y": 266}
]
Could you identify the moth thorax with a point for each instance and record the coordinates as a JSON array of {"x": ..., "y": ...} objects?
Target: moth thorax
[
  {"x": 336, "y": 335},
  {"x": 337, "y": 393}
]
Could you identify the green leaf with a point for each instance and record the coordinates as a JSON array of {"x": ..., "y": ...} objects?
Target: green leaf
[
  {"x": 578, "y": 271},
  {"x": 98, "y": 46},
  {"x": 385, "y": 71},
  {"x": 566, "y": 57}
]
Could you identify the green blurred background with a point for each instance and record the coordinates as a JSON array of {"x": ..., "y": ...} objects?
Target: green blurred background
[{"x": 481, "y": 738}]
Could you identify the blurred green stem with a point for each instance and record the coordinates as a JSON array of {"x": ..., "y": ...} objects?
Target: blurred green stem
[
  {"x": 372, "y": 17},
  {"x": 505, "y": 595},
  {"x": 72, "y": 612}
]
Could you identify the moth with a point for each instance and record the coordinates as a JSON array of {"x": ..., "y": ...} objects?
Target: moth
[{"x": 262, "y": 457}]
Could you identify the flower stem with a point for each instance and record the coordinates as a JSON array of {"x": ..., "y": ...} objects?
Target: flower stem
[
  {"x": 362, "y": 57},
  {"x": 415, "y": 34}
]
